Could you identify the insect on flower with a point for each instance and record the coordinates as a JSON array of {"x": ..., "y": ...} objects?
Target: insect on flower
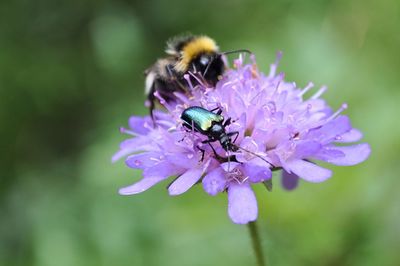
[
  {"x": 213, "y": 126},
  {"x": 197, "y": 55},
  {"x": 275, "y": 128}
]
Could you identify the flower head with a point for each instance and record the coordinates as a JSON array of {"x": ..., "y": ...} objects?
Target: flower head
[{"x": 277, "y": 129}]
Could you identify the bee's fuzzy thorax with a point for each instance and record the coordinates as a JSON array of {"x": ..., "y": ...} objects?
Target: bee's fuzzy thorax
[{"x": 192, "y": 49}]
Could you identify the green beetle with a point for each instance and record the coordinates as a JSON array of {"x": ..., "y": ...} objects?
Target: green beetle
[{"x": 211, "y": 125}]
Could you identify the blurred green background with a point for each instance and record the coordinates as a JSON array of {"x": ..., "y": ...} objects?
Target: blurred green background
[{"x": 70, "y": 75}]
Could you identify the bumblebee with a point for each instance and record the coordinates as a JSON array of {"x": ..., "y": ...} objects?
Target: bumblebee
[{"x": 197, "y": 55}]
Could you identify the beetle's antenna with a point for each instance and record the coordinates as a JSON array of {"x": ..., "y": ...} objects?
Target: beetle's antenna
[
  {"x": 255, "y": 154},
  {"x": 224, "y": 53},
  {"x": 237, "y": 51}
]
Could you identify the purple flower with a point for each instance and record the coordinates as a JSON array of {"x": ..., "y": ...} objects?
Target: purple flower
[{"x": 278, "y": 129}]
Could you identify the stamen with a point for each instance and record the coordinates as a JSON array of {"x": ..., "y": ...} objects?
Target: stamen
[
  {"x": 148, "y": 126},
  {"x": 158, "y": 96},
  {"x": 321, "y": 91},
  {"x": 279, "y": 78},
  {"x": 187, "y": 78},
  {"x": 225, "y": 61},
  {"x": 253, "y": 59},
  {"x": 147, "y": 103},
  {"x": 163, "y": 101},
  {"x": 182, "y": 97},
  {"x": 201, "y": 83},
  {"x": 206, "y": 165},
  {"x": 307, "y": 88},
  {"x": 127, "y": 131},
  {"x": 244, "y": 179},
  {"x": 341, "y": 109},
  {"x": 274, "y": 66},
  {"x": 161, "y": 158}
]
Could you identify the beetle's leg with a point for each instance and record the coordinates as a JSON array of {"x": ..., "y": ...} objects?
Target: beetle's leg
[
  {"x": 227, "y": 122},
  {"x": 202, "y": 153},
  {"x": 182, "y": 138},
  {"x": 215, "y": 153},
  {"x": 208, "y": 141},
  {"x": 235, "y": 133},
  {"x": 187, "y": 128},
  {"x": 217, "y": 108}
]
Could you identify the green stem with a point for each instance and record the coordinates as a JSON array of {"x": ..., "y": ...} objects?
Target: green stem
[{"x": 255, "y": 239}]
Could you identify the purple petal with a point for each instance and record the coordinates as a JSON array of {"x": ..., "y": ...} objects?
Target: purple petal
[
  {"x": 305, "y": 149},
  {"x": 242, "y": 203},
  {"x": 151, "y": 176},
  {"x": 135, "y": 143},
  {"x": 309, "y": 171},
  {"x": 139, "y": 125},
  {"x": 183, "y": 159},
  {"x": 289, "y": 181},
  {"x": 214, "y": 182},
  {"x": 142, "y": 160},
  {"x": 257, "y": 170},
  {"x": 162, "y": 169},
  {"x": 184, "y": 182},
  {"x": 132, "y": 145},
  {"x": 250, "y": 145},
  {"x": 354, "y": 154},
  {"x": 163, "y": 116},
  {"x": 144, "y": 184},
  {"x": 119, "y": 154},
  {"x": 331, "y": 130},
  {"x": 351, "y": 136},
  {"x": 327, "y": 153}
]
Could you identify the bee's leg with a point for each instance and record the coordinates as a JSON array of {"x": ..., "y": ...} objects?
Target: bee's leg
[
  {"x": 170, "y": 72},
  {"x": 174, "y": 79},
  {"x": 151, "y": 99}
]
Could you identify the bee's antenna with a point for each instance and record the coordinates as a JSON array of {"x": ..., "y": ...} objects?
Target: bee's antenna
[{"x": 255, "y": 154}]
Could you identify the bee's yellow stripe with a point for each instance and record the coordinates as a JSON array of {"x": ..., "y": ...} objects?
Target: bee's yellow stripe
[{"x": 192, "y": 49}]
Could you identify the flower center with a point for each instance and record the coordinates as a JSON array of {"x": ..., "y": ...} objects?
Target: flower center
[{"x": 236, "y": 175}]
